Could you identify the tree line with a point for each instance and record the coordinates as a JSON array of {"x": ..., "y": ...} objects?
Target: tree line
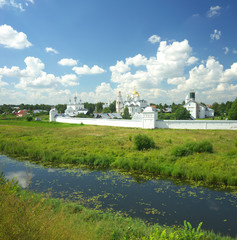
[{"x": 222, "y": 110}]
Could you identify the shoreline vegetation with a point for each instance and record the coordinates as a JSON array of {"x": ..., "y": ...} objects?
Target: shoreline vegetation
[
  {"x": 27, "y": 215},
  {"x": 173, "y": 154}
]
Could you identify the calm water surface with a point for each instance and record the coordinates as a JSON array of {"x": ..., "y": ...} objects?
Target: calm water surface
[{"x": 155, "y": 201}]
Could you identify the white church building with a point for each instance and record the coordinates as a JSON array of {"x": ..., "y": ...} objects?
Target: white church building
[
  {"x": 73, "y": 109},
  {"x": 196, "y": 109},
  {"x": 133, "y": 102}
]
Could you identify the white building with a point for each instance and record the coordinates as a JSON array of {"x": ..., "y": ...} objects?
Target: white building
[
  {"x": 73, "y": 109},
  {"x": 196, "y": 109},
  {"x": 133, "y": 102}
]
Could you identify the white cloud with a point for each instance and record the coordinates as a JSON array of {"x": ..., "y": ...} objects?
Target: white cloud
[
  {"x": 216, "y": 35},
  {"x": 166, "y": 79},
  {"x": 2, "y": 83},
  {"x": 138, "y": 60},
  {"x": 2, "y": 3},
  {"x": 69, "y": 80},
  {"x": 154, "y": 39},
  {"x": 226, "y": 50},
  {"x": 169, "y": 63},
  {"x": 33, "y": 76},
  {"x": 12, "y": 3},
  {"x": 120, "y": 67},
  {"x": 67, "y": 62},
  {"x": 51, "y": 50},
  {"x": 214, "y": 11},
  {"x": 103, "y": 93},
  {"x": 10, "y": 38},
  {"x": 235, "y": 51},
  {"x": 86, "y": 70},
  {"x": 192, "y": 60}
]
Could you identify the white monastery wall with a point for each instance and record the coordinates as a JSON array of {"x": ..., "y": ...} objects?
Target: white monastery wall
[
  {"x": 197, "y": 124},
  {"x": 101, "y": 122},
  {"x": 148, "y": 120}
]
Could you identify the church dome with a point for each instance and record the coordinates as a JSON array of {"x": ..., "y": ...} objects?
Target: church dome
[{"x": 135, "y": 93}]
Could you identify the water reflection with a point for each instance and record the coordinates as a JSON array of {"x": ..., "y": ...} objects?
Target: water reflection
[
  {"x": 23, "y": 178},
  {"x": 154, "y": 201}
]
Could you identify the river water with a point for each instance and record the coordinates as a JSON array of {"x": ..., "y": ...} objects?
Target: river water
[{"x": 155, "y": 201}]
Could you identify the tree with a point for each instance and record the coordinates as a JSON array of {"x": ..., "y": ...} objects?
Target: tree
[
  {"x": 106, "y": 110},
  {"x": 233, "y": 111},
  {"x": 61, "y": 107},
  {"x": 182, "y": 113},
  {"x": 112, "y": 106},
  {"x": 216, "y": 108},
  {"x": 126, "y": 114},
  {"x": 99, "y": 107},
  {"x": 90, "y": 107}
]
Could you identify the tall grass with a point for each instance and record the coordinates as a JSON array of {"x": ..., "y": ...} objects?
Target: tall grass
[
  {"x": 186, "y": 156},
  {"x": 24, "y": 215}
]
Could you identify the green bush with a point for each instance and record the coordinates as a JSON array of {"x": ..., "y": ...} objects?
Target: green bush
[
  {"x": 143, "y": 142},
  {"x": 192, "y": 147},
  {"x": 29, "y": 118}
]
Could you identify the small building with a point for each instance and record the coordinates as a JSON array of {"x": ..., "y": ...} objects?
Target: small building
[
  {"x": 21, "y": 113},
  {"x": 73, "y": 109},
  {"x": 197, "y": 110}
]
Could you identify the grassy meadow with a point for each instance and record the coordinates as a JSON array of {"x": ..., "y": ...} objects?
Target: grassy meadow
[
  {"x": 113, "y": 147},
  {"x": 25, "y": 215}
]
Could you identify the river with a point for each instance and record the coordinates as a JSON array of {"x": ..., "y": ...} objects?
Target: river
[{"x": 155, "y": 201}]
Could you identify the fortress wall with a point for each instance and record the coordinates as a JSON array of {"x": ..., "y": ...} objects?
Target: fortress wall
[
  {"x": 197, "y": 124},
  {"x": 101, "y": 122},
  {"x": 148, "y": 121}
]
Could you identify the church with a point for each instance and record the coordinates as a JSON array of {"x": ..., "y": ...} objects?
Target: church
[
  {"x": 197, "y": 110},
  {"x": 133, "y": 102},
  {"x": 73, "y": 109}
]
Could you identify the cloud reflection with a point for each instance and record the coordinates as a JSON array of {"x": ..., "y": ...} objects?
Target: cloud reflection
[{"x": 22, "y": 177}]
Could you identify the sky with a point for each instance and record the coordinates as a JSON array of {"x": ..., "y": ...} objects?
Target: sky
[{"x": 52, "y": 50}]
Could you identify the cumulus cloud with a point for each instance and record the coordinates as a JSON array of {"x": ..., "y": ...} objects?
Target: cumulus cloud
[
  {"x": 103, "y": 93},
  {"x": 168, "y": 76},
  {"x": 154, "y": 39},
  {"x": 69, "y": 80},
  {"x": 34, "y": 76},
  {"x": 216, "y": 35},
  {"x": 10, "y": 38},
  {"x": 51, "y": 50},
  {"x": 67, "y": 62},
  {"x": 2, "y": 83},
  {"x": 86, "y": 70},
  {"x": 168, "y": 63},
  {"x": 214, "y": 11},
  {"x": 192, "y": 60}
]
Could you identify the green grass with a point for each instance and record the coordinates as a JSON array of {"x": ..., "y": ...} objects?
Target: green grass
[
  {"x": 113, "y": 147},
  {"x": 24, "y": 215}
]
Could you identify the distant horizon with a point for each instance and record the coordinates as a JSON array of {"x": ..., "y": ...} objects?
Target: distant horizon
[{"x": 50, "y": 51}]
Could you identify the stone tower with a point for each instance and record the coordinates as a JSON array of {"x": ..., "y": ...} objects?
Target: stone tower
[{"x": 119, "y": 103}]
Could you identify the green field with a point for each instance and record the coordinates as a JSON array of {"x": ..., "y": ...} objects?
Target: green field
[{"x": 113, "y": 147}]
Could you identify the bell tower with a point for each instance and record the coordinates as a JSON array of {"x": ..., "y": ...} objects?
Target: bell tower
[{"x": 119, "y": 103}]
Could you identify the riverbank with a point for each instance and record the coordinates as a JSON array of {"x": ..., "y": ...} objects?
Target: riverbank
[
  {"x": 113, "y": 147},
  {"x": 25, "y": 215}
]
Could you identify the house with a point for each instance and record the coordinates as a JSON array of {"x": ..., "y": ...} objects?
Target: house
[
  {"x": 21, "y": 113},
  {"x": 197, "y": 110}
]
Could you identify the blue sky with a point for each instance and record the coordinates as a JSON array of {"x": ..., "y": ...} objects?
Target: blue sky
[{"x": 52, "y": 49}]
